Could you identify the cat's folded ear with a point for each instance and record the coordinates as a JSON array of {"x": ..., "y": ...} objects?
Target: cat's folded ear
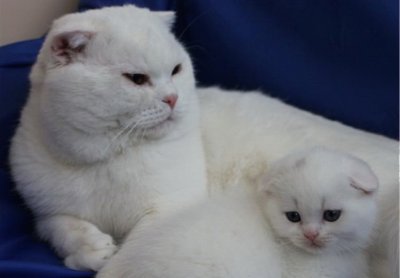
[
  {"x": 67, "y": 46},
  {"x": 167, "y": 17},
  {"x": 362, "y": 177}
]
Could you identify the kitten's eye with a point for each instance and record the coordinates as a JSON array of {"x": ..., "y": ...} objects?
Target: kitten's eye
[
  {"x": 332, "y": 215},
  {"x": 138, "y": 78},
  {"x": 177, "y": 69},
  {"x": 293, "y": 216}
]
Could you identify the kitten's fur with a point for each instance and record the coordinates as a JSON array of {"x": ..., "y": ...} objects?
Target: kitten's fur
[
  {"x": 310, "y": 183},
  {"x": 245, "y": 131},
  {"x": 95, "y": 152},
  {"x": 223, "y": 237}
]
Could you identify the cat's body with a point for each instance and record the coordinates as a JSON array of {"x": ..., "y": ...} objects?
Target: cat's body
[
  {"x": 321, "y": 207},
  {"x": 244, "y": 132},
  {"x": 109, "y": 136}
]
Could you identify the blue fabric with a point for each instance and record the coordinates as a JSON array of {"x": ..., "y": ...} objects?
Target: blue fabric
[
  {"x": 335, "y": 58},
  {"x": 22, "y": 254}
]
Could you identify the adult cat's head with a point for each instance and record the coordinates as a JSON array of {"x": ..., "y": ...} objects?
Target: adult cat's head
[
  {"x": 114, "y": 73},
  {"x": 321, "y": 200}
]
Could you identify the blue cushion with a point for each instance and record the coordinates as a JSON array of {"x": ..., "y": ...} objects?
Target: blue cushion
[{"x": 335, "y": 58}]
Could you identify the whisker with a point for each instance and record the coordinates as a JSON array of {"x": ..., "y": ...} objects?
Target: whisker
[
  {"x": 133, "y": 127},
  {"x": 143, "y": 134},
  {"x": 138, "y": 133},
  {"x": 112, "y": 141},
  {"x": 191, "y": 23}
]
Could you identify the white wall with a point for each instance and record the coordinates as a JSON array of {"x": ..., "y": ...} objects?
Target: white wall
[{"x": 28, "y": 19}]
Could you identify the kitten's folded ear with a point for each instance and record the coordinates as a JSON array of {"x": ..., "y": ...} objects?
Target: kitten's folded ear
[
  {"x": 167, "y": 17},
  {"x": 362, "y": 177},
  {"x": 68, "y": 45},
  {"x": 265, "y": 182}
]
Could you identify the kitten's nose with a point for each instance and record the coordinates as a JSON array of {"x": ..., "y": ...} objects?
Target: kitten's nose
[
  {"x": 170, "y": 100},
  {"x": 311, "y": 235}
]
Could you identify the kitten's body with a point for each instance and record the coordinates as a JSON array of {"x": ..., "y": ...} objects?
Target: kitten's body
[
  {"x": 321, "y": 206},
  {"x": 244, "y": 132},
  {"x": 223, "y": 237},
  {"x": 97, "y": 150},
  {"x": 299, "y": 264}
]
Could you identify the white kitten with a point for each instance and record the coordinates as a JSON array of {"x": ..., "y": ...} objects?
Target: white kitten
[
  {"x": 244, "y": 132},
  {"x": 226, "y": 236},
  {"x": 321, "y": 205},
  {"x": 109, "y": 136}
]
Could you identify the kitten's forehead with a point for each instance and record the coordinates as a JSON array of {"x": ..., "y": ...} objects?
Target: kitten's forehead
[{"x": 314, "y": 178}]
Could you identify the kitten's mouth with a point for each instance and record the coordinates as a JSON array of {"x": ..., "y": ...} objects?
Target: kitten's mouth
[
  {"x": 315, "y": 245},
  {"x": 311, "y": 246}
]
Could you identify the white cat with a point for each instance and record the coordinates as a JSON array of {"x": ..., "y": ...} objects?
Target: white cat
[
  {"x": 109, "y": 136},
  {"x": 321, "y": 205},
  {"x": 223, "y": 237},
  {"x": 244, "y": 132}
]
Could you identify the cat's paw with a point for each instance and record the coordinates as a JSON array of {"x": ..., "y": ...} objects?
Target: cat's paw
[{"x": 93, "y": 255}]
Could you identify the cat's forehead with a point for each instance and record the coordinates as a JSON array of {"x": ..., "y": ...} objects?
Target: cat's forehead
[
  {"x": 124, "y": 33},
  {"x": 146, "y": 46}
]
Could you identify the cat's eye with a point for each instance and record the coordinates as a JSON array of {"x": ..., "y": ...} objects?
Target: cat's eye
[
  {"x": 293, "y": 216},
  {"x": 177, "y": 69},
  {"x": 332, "y": 215},
  {"x": 138, "y": 78}
]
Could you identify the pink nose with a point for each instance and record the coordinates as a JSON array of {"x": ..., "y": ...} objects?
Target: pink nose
[
  {"x": 311, "y": 235},
  {"x": 171, "y": 100}
]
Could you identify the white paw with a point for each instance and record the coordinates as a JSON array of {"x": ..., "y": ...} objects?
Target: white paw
[
  {"x": 93, "y": 254},
  {"x": 89, "y": 259}
]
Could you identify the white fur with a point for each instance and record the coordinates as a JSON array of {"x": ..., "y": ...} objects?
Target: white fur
[
  {"x": 309, "y": 183},
  {"x": 94, "y": 153},
  {"x": 385, "y": 252},
  {"x": 226, "y": 236},
  {"x": 244, "y": 132}
]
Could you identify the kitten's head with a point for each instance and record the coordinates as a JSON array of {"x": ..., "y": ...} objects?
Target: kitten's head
[
  {"x": 115, "y": 71},
  {"x": 321, "y": 200}
]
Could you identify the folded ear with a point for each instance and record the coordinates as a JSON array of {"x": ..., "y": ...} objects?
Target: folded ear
[
  {"x": 266, "y": 181},
  {"x": 167, "y": 17},
  {"x": 66, "y": 46},
  {"x": 362, "y": 177}
]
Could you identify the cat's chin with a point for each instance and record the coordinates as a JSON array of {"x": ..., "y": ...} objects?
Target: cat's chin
[{"x": 159, "y": 130}]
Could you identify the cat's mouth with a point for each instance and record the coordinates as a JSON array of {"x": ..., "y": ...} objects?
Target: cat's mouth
[
  {"x": 154, "y": 117},
  {"x": 158, "y": 124}
]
